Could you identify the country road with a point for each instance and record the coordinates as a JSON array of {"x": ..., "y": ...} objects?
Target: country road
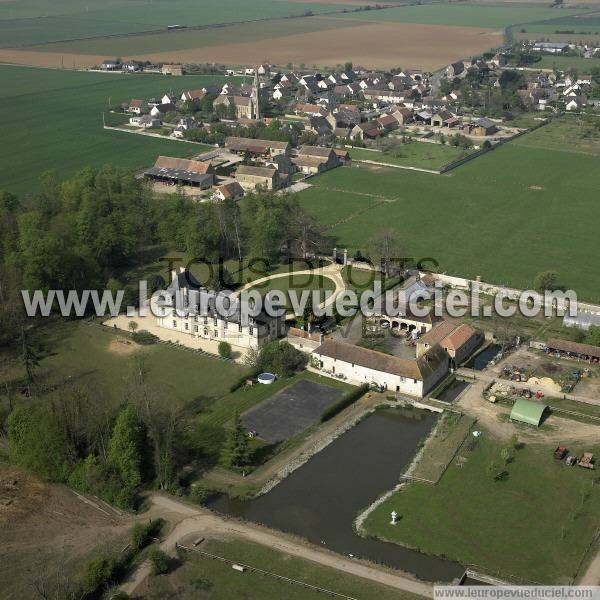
[{"x": 195, "y": 522}]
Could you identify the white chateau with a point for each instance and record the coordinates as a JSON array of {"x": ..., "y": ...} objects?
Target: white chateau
[{"x": 179, "y": 311}]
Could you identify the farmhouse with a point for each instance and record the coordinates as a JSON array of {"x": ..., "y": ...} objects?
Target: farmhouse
[
  {"x": 387, "y": 123},
  {"x": 360, "y": 365},
  {"x": 189, "y": 308},
  {"x": 458, "y": 341},
  {"x": 229, "y": 191},
  {"x": 250, "y": 177},
  {"x": 366, "y": 130},
  {"x": 257, "y": 147},
  {"x": 181, "y": 171},
  {"x": 192, "y": 95},
  {"x": 316, "y": 159},
  {"x": 159, "y": 110}
]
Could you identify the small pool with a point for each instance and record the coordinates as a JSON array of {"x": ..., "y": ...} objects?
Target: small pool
[{"x": 266, "y": 378}]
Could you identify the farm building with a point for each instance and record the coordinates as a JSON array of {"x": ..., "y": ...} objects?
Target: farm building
[
  {"x": 483, "y": 127},
  {"x": 145, "y": 122},
  {"x": 361, "y": 365},
  {"x": 137, "y": 107},
  {"x": 458, "y": 341},
  {"x": 181, "y": 171},
  {"x": 175, "y": 70},
  {"x": 316, "y": 159},
  {"x": 366, "y": 130},
  {"x": 527, "y": 411},
  {"x": 569, "y": 349},
  {"x": 256, "y": 147},
  {"x": 250, "y": 177}
]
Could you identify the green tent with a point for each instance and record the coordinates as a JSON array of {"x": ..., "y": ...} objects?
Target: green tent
[{"x": 527, "y": 411}]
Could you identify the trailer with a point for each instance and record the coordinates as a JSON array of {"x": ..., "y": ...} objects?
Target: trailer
[{"x": 586, "y": 461}]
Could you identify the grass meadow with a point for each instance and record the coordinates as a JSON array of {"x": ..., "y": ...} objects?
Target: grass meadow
[
  {"x": 470, "y": 517},
  {"x": 423, "y": 155},
  {"x": 562, "y": 63},
  {"x": 505, "y": 216},
  {"x": 52, "y": 120},
  {"x": 41, "y": 21},
  {"x": 203, "y": 577}
]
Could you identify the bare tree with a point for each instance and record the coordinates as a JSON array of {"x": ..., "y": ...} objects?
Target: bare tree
[{"x": 384, "y": 249}]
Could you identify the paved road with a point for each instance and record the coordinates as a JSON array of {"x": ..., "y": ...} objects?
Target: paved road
[{"x": 201, "y": 522}]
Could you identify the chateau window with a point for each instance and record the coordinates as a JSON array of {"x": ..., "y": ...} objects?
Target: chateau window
[
  {"x": 195, "y": 328},
  {"x": 240, "y": 327},
  {"x": 215, "y": 322},
  {"x": 251, "y": 330},
  {"x": 187, "y": 326},
  {"x": 206, "y": 331},
  {"x": 225, "y": 325},
  {"x": 174, "y": 323},
  {"x": 216, "y": 333},
  {"x": 206, "y": 320}
]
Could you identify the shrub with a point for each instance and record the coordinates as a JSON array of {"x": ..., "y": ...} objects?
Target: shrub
[
  {"x": 142, "y": 533},
  {"x": 200, "y": 494},
  {"x": 144, "y": 337},
  {"x": 159, "y": 561},
  {"x": 98, "y": 572},
  {"x": 224, "y": 350},
  {"x": 349, "y": 398}
]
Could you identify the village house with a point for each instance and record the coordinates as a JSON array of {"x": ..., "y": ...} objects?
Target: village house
[
  {"x": 110, "y": 65},
  {"x": 257, "y": 147},
  {"x": 189, "y": 308},
  {"x": 131, "y": 67},
  {"x": 159, "y": 110},
  {"x": 387, "y": 123},
  {"x": 316, "y": 159},
  {"x": 181, "y": 171},
  {"x": 137, "y": 107},
  {"x": 229, "y": 191},
  {"x": 192, "y": 95},
  {"x": 145, "y": 122},
  {"x": 361, "y": 365},
  {"x": 402, "y": 114},
  {"x": 250, "y": 177}
]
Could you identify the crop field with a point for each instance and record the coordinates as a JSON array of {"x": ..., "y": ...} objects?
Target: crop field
[
  {"x": 423, "y": 155},
  {"x": 463, "y": 15},
  {"x": 295, "y": 41},
  {"x": 527, "y": 204},
  {"x": 40, "y": 21},
  {"x": 53, "y": 120},
  {"x": 569, "y": 25},
  {"x": 471, "y": 517}
]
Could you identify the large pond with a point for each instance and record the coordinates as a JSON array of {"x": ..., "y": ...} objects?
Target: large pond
[{"x": 320, "y": 500}]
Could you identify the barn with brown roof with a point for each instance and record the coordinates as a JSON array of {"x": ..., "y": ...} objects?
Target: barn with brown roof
[
  {"x": 181, "y": 171},
  {"x": 459, "y": 341}
]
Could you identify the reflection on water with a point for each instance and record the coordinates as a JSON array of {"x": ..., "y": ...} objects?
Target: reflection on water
[{"x": 320, "y": 500}]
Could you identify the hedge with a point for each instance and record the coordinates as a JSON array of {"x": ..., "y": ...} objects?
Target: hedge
[{"x": 349, "y": 398}]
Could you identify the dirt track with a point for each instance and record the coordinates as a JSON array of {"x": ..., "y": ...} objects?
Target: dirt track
[
  {"x": 196, "y": 522},
  {"x": 383, "y": 45}
]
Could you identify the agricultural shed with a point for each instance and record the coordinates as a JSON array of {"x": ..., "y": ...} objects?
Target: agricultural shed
[{"x": 528, "y": 412}]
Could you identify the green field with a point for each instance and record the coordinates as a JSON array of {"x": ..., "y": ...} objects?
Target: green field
[
  {"x": 423, "y": 155},
  {"x": 196, "y": 38},
  {"x": 465, "y": 15},
  {"x": 52, "y": 120},
  {"x": 41, "y": 21},
  {"x": 535, "y": 525},
  {"x": 572, "y": 24},
  {"x": 562, "y": 63},
  {"x": 202, "y": 577},
  {"x": 506, "y": 216},
  {"x": 577, "y": 134}
]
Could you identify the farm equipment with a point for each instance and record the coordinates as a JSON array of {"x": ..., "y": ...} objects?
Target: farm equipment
[
  {"x": 586, "y": 461},
  {"x": 560, "y": 452},
  {"x": 571, "y": 460}
]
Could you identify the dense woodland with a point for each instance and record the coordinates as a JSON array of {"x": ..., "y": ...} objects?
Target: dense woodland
[{"x": 92, "y": 232}]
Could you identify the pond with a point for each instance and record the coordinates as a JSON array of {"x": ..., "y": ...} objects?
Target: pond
[{"x": 320, "y": 500}]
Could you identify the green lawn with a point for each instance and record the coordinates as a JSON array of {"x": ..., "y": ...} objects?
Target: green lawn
[
  {"x": 53, "y": 120},
  {"x": 87, "y": 355},
  {"x": 40, "y": 21},
  {"x": 423, "y": 155},
  {"x": 536, "y": 525},
  {"x": 202, "y": 577},
  {"x": 467, "y": 15},
  {"x": 506, "y": 216}
]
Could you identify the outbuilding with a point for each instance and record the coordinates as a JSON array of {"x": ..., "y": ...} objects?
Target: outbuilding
[{"x": 527, "y": 411}]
